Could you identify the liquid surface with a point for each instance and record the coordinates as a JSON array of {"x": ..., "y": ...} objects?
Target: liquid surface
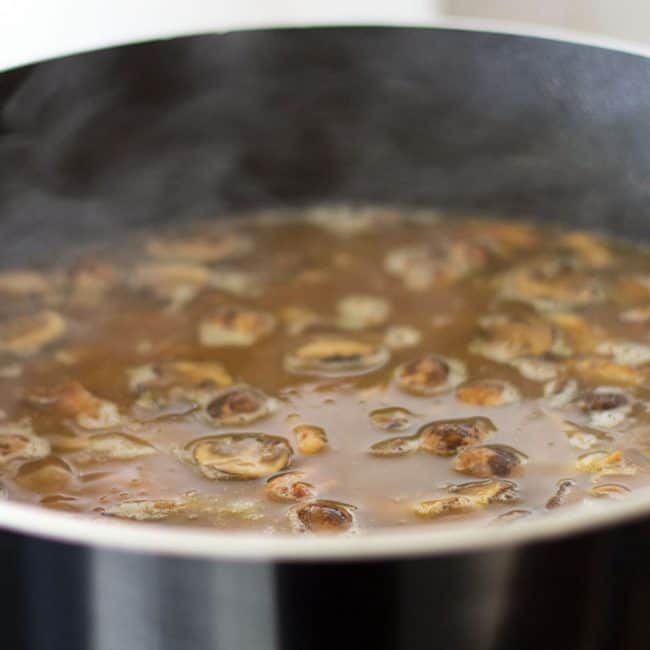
[{"x": 330, "y": 372}]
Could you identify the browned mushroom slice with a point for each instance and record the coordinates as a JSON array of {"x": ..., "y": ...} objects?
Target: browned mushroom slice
[
  {"x": 395, "y": 446},
  {"x": 400, "y": 337},
  {"x": 238, "y": 405},
  {"x": 504, "y": 338},
  {"x": 430, "y": 374},
  {"x": 324, "y": 517},
  {"x": 289, "y": 486},
  {"x": 445, "y": 437},
  {"x": 240, "y": 456},
  {"x": 19, "y": 442},
  {"x": 358, "y": 311},
  {"x": 488, "y": 491},
  {"x": 607, "y": 406},
  {"x": 392, "y": 418},
  {"x": 488, "y": 392},
  {"x": 311, "y": 439},
  {"x": 178, "y": 283},
  {"x": 235, "y": 326},
  {"x": 549, "y": 284},
  {"x": 49, "y": 474},
  {"x": 597, "y": 370},
  {"x": 200, "y": 248},
  {"x": 114, "y": 446},
  {"x": 23, "y": 282},
  {"x": 27, "y": 335},
  {"x": 73, "y": 400},
  {"x": 446, "y": 505},
  {"x": 564, "y": 493},
  {"x": 609, "y": 491},
  {"x": 189, "y": 374},
  {"x": 489, "y": 460},
  {"x": 331, "y": 357}
]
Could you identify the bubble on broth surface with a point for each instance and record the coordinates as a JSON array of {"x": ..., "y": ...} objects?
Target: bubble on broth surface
[
  {"x": 322, "y": 517},
  {"x": 332, "y": 357},
  {"x": 430, "y": 374},
  {"x": 238, "y": 456}
]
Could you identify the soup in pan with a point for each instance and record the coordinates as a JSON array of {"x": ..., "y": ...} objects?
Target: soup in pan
[{"x": 333, "y": 371}]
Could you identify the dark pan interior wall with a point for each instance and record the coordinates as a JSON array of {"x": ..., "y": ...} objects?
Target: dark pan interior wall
[{"x": 198, "y": 126}]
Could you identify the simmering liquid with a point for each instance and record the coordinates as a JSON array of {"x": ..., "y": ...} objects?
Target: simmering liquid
[{"x": 329, "y": 372}]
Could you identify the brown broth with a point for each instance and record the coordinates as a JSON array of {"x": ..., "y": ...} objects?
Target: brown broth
[{"x": 484, "y": 293}]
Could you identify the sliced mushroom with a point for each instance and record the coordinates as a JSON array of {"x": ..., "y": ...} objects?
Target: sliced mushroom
[
  {"x": 400, "y": 337},
  {"x": 597, "y": 370},
  {"x": 607, "y": 406},
  {"x": 114, "y": 446},
  {"x": 609, "y": 491},
  {"x": 487, "y": 491},
  {"x": 504, "y": 338},
  {"x": 239, "y": 456},
  {"x": 199, "y": 248},
  {"x": 331, "y": 357},
  {"x": 49, "y": 474},
  {"x": 235, "y": 326},
  {"x": 430, "y": 374},
  {"x": 310, "y": 438},
  {"x": 322, "y": 517},
  {"x": 485, "y": 461},
  {"x": 23, "y": 282},
  {"x": 392, "y": 418},
  {"x": 146, "y": 510},
  {"x": 90, "y": 280},
  {"x": 73, "y": 400},
  {"x": 238, "y": 405},
  {"x": 237, "y": 283},
  {"x": 19, "y": 442},
  {"x": 512, "y": 516},
  {"x": 445, "y": 437},
  {"x": 583, "y": 336},
  {"x": 27, "y": 335},
  {"x": 359, "y": 311},
  {"x": 626, "y": 353},
  {"x": 590, "y": 250},
  {"x": 560, "y": 392},
  {"x": 289, "y": 486},
  {"x": 488, "y": 392},
  {"x": 175, "y": 282},
  {"x": 636, "y": 315},
  {"x": 535, "y": 368},
  {"x": 347, "y": 221},
  {"x": 563, "y": 490},
  {"x": 395, "y": 446},
  {"x": 604, "y": 463},
  {"x": 299, "y": 320},
  {"x": 189, "y": 374},
  {"x": 446, "y": 505}
]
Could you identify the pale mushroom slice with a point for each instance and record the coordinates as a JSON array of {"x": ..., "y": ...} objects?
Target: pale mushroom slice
[
  {"x": 146, "y": 510},
  {"x": 609, "y": 491},
  {"x": 310, "y": 438},
  {"x": 333, "y": 357},
  {"x": 590, "y": 250},
  {"x": 289, "y": 487},
  {"x": 26, "y": 335},
  {"x": 583, "y": 336},
  {"x": 605, "y": 463},
  {"x": 430, "y": 374},
  {"x": 108, "y": 447},
  {"x": 561, "y": 391},
  {"x": 360, "y": 311},
  {"x": 239, "y": 456},
  {"x": 484, "y": 461},
  {"x": 599, "y": 370},
  {"x": 393, "y": 447},
  {"x": 505, "y": 338},
  {"x": 488, "y": 392},
  {"x": 446, "y": 437},
  {"x": 90, "y": 280},
  {"x": 18, "y": 442},
  {"x": 187, "y": 374},
  {"x": 199, "y": 248},
  {"x": 46, "y": 475},
  {"x": 639, "y": 315},
  {"x": 177, "y": 283},
  {"x": 232, "y": 326},
  {"x": 238, "y": 405},
  {"x": 400, "y": 337},
  {"x": 607, "y": 406},
  {"x": 488, "y": 491},
  {"x": 322, "y": 517},
  {"x": 454, "y": 504},
  {"x": 349, "y": 221},
  {"x": 74, "y": 401},
  {"x": 626, "y": 353},
  {"x": 22, "y": 283},
  {"x": 298, "y": 320},
  {"x": 392, "y": 418}
]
